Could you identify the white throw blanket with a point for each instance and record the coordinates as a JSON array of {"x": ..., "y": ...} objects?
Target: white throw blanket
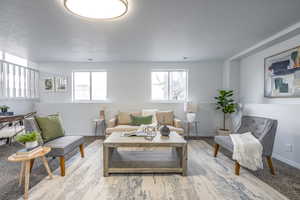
[{"x": 247, "y": 150}]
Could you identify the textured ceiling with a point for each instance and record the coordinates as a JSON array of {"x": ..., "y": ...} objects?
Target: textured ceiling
[{"x": 153, "y": 30}]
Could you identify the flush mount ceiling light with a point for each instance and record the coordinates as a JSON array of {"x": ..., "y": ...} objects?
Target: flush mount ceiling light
[{"x": 97, "y": 9}]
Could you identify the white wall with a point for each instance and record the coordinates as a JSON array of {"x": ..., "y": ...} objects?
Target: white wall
[
  {"x": 231, "y": 77},
  {"x": 286, "y": 111},
  {"x": 19, "y": 106},
  {"x": 129, "y": 90}
]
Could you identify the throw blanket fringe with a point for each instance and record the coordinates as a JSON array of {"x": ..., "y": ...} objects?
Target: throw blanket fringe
[{"x": 247, "y": 150}]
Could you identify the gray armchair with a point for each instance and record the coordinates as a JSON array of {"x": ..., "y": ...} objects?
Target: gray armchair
[
  {"x": 263, "y": 129},
  {"x": 60, "y": 147}
]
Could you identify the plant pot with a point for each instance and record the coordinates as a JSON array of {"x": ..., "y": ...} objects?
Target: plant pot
[
  {"x": 31, "y": 145},
  {"x": 4, "y": 110},
  {"x": 224, "y": 132}
]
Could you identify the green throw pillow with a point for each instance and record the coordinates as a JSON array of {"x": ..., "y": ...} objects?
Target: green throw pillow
[
  {"x": 51, "y": 127},
  {"x": 139, "y": 120}
]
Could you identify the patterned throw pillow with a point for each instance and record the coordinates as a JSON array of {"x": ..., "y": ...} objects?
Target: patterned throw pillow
[
  {"x": 147, "y": 112},
  {"x": 141, "y": 120}
]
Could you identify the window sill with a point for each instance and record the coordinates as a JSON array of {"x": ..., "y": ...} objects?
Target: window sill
[
  {"x": 91, "y": 102},
  {"x": 167, "y": 101},
  {"x": 19, "y": 99}
]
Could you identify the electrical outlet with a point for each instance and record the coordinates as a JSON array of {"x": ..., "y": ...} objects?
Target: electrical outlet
[{"x": 289, "y": 148}]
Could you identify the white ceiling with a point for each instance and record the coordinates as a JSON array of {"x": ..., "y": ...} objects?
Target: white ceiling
[{"x": 153, "y": 30}]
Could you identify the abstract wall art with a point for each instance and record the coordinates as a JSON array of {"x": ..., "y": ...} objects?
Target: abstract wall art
[{"x": 282, "y": 74}]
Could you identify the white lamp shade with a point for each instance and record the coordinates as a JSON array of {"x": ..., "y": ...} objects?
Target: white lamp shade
[{"x": 190, "y": 107}]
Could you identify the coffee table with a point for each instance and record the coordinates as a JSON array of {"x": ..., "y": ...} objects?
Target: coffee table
[{"x": 123, "y": 154}]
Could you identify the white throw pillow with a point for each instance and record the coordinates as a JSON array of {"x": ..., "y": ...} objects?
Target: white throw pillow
[{"x": 147, "y": 112}]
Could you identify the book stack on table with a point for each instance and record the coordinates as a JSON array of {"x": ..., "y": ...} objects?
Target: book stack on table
[{"x": 23, "y": 153}]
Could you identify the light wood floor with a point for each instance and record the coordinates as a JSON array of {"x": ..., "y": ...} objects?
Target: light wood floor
[{"x": 208, "y": 178}]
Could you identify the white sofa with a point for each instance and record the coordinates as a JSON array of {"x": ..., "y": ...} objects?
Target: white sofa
[{"x": 122, "y": 121}]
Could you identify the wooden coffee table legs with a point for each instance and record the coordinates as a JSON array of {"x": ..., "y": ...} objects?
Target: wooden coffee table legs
[
  {"x": 109, "y": 167},
  {"x": 25, "y": 174},
  {"x": 184, "y": 160}
]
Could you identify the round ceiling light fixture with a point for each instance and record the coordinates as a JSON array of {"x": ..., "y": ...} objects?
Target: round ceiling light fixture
[{"x": 97, "y": 9}]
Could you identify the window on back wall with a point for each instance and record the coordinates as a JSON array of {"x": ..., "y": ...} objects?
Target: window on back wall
[
  {"x": 169, "y": 85},
  {"x": 89, "y": 85},
  {"x": 16, "y": 79}
]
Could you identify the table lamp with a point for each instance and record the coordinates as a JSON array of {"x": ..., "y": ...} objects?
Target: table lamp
[{"x": 190, "y": 109}]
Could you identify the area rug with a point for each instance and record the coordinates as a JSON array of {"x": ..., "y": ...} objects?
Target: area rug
[{"x": 208, "y": 178}]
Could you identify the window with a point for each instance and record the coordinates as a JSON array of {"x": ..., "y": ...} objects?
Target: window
[
  {"x": 169, "y": 85},
  {"x": 16, "y": 79},
  {"x": 89, "y": 86}
]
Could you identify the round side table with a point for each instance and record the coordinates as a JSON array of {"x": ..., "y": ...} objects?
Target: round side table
[{"x": 26, "y": 166}]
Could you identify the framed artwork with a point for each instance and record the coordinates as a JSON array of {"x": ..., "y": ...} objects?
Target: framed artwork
[
  {"x": 282, "y": 74},
  {"x": 48, "y": 84},
  {"x": 61, "y": 84}
]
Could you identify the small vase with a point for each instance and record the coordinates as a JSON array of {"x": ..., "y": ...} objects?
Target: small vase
[
  {"x": 165, "y": 131},
  {"x": 31, "y": 145}
]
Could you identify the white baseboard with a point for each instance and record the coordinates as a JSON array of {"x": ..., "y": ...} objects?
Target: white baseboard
[{"x": 287, "y": 161}]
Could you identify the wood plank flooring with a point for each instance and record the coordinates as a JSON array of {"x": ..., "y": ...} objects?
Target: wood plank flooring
[{"x": 207, "y": 178}]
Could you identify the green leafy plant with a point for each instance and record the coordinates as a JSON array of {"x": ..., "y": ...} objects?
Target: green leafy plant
[
  {"x": 27, "y": 137},
  {"x": 226, "y": 104},
  {"x": 4, "y": 108}
]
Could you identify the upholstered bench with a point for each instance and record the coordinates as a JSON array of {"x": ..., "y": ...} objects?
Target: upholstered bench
[{"x": 61, "y": 146}]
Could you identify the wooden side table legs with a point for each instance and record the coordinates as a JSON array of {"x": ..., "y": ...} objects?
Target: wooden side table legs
[
  {"x": 25, "y": 174},
  {"x": 47, "y": 166},
  {"x": 22, "y": 173}
]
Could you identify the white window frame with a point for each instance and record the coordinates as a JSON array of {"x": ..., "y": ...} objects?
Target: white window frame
[
  {"x": 169, "y": 70},
  {"x": 91, "y": 86}
]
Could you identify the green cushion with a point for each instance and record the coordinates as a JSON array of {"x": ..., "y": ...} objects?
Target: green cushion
[
  {"x": 51, "y": 127},
  {"x": 139, "y": 120}
]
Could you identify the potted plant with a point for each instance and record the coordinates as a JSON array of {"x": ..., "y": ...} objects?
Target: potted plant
[
  {"x": 4, "y": 108},
  {"x": 226, "y": 104},
  {"x": 29, "y": 139}
]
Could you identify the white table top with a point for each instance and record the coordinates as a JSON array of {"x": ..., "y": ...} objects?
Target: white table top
[{"x": 117, "y": 138}]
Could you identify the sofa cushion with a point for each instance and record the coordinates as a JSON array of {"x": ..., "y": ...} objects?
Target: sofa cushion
[
  {"x": 63, "y": 145},
  {"x": 165, "y": 117},
  {"x": 51, "y": 127},
  {"x": 121, "y": 128},
  {"x": 147, "y": 112},
  {"x": 180, "y": 131},
  {"x": 124, "y": 117},
  {"x": 140, "y": 120}
]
